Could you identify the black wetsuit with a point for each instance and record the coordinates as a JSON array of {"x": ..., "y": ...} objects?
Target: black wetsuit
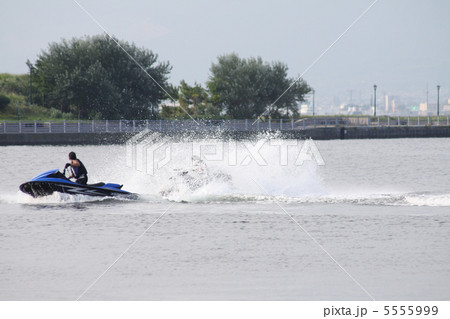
[{"x": 80, "y": 173}]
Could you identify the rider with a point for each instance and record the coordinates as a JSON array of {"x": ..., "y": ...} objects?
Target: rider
[{"x": 78, "y": 170}]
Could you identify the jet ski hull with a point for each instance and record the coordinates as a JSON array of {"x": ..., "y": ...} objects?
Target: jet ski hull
[{"x": 54, "y": 181}]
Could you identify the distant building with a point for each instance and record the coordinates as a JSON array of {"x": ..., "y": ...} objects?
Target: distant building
[
  {"x": 423, "y": 109},
  {"x": 169, "y": 103},
  {"x": 393, "y": 106},
  {"x": 390, "y": 105},
  {"x": 343, "y": 109},
  {"x": 446, "y": 108},
  {"x": 304, "y": 109}
]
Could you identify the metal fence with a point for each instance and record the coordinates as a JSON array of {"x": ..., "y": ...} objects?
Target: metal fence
[{"x": 116, "y": 126}]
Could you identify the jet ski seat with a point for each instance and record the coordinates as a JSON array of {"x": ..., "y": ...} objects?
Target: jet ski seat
[{"x": 97, "y": 184}]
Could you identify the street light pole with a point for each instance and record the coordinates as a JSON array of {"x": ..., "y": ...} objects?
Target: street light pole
[
  {"x": 374, "y": 100},
  {"x": 438, "y": 87},
  {"x": 31, "y": 80}
]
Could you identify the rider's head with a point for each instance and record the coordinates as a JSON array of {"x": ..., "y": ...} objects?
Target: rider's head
[{"x": 72, "y": 156}]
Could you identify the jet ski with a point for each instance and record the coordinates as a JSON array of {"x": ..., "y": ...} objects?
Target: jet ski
[{"x": 55, "y": 181}]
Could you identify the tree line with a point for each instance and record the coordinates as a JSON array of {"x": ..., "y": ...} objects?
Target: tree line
[{"x": 100, "y": 77}]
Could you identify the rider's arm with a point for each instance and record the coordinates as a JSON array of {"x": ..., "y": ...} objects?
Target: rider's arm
[{"x": 74, "y": 163}]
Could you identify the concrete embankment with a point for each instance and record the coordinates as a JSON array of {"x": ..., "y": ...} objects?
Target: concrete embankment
[
  {"x": 319, "y": 133},
  {"x": 63, "y": 138},
  {"x": 376, "y": 132}
]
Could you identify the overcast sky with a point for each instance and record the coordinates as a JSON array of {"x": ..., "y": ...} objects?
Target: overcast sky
[{"x": 401, "y": 45}]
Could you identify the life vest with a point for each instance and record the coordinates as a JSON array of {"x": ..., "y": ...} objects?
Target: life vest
[{"x": 80, "y": 170}]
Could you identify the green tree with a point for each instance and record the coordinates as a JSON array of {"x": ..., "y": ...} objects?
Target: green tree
[
  {"x": 4, "y": 101},
  {"x": 15, "y": 84},
  {"x": 197, "y": 99},
  {"x": 193, "y": 102},
  {"x": 93, "y": 77},
  {"x": 192, "y": 95},
  {"x": 246, "y": 88}
]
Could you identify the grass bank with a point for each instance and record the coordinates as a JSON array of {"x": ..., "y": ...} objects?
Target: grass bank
[{"x": 19, "y": 109}]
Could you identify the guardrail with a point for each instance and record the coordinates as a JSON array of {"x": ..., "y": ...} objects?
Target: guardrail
[{"x": 116, "y": 126}]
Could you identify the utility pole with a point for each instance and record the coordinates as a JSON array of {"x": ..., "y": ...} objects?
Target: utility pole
[
  {"x": 314, "y": 111},
  {"x": 31, "y": 80},
  {"x": 374, "y": 100},
  {"x": 438, "y": 87},
  {"x": 351, "y": 98}
]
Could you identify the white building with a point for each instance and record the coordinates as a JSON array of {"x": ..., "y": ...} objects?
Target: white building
[
  {"x": 423, "y": 109},
  {"x": 446, "y": 107},
  {"x": 390, "y": 105},
  {"x": 304, "y": 109}
]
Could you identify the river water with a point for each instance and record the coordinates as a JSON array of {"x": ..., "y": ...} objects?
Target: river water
[{"x": 267, "y": 219}]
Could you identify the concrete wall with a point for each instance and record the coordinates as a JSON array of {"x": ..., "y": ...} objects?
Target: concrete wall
[
  {"x": 63, "y": 138},
  {"x": 323, "y": 133},
  {"x": 394, "y": 132}
]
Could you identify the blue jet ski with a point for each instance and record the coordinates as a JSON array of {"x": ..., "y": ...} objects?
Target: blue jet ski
[{"x": 55, "y": 181}]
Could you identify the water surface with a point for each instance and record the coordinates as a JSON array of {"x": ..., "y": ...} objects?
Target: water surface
[{"x": 380, "y": 208}]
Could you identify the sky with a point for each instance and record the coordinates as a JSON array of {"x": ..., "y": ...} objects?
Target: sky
[{"x": 402, "y": 46}]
